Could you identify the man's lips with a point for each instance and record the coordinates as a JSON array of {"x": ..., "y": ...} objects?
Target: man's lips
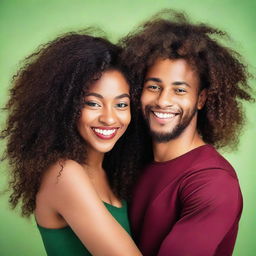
[
  {"x": 164, "y": 117},
  {"x": 105, "y": 132}
]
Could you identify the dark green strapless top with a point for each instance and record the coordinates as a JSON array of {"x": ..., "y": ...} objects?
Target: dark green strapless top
[{"x": 64, "y": 242}]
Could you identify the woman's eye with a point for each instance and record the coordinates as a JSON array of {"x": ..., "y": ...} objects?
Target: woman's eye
[
  {"x": 122, "y": 105},
  {"x": 92, "y": 104}
]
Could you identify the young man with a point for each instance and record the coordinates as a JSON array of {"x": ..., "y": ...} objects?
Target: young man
[{"x": 187, "y": 200}]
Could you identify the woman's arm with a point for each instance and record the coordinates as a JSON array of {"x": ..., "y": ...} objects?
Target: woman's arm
[{"x": 73, "y": 196}]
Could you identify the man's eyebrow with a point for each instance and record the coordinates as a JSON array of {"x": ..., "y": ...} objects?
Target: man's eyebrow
[
  {"x": 154, "y": 79},
  {"x": 158, "y": 80},
  {"x": 101, "y": 97},
  {"x": 180, "y": 83}
]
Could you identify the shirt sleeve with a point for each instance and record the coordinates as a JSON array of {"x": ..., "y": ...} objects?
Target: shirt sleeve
[{"x": 211, "y": 204}]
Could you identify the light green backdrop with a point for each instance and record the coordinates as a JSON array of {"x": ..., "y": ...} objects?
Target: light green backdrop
[{"x": 24, "y": 24}]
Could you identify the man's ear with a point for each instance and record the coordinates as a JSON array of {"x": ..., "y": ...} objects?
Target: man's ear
[{"x": 202, "y": 98}]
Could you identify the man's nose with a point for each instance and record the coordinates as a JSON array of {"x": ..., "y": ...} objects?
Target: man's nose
[{"x": 164, "y": 99}]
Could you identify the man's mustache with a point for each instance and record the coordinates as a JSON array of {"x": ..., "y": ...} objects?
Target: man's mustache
[{"x": 171, "y": 109}]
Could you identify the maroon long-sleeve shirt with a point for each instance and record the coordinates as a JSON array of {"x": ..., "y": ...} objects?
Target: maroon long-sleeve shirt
[{"x": 188, "y": 206}]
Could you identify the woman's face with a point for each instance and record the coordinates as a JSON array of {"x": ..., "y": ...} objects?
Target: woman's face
[{"x": 106, "y": 113}]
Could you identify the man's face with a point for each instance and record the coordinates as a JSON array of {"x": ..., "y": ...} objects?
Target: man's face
[{"x": 170, "y": 98}]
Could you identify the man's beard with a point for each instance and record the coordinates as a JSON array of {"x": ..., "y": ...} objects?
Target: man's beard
[{"x": 162, "y": 137}]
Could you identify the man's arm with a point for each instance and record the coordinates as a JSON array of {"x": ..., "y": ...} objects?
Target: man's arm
[{"x": 212, "y": 205}]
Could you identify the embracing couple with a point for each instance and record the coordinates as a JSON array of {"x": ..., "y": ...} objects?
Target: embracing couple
[{"x": 112, "y": 147}]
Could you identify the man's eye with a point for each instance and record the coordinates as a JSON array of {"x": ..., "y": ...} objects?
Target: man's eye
[
  {"x": 122, "y": 105},
  {"x": 153, "y": 87},
  {"x": 180, "y": 91},
  {"x": 92, "y": 104}
]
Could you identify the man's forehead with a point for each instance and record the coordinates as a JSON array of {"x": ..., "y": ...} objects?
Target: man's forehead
[{"x": 172, "y": 69}]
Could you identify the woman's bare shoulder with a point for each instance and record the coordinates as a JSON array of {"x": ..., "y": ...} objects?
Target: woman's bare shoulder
[
  {"x": 62, "y": 170},
  {"x": 63, "y": 177}
]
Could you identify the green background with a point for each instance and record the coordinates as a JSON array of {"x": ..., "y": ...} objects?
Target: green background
[{"x": 25, "y": 24}]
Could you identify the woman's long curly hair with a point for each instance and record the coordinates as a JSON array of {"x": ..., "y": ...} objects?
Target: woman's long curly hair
[
  {"x": 170, "y": 35},
  {"x": 45, "y": 103}
]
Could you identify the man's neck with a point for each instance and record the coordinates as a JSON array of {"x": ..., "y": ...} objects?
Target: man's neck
[{"x": 174, "y": 148}]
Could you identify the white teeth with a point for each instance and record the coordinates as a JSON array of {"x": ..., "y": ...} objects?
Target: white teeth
[
  {"x": 163, "y": 115},
  {"x": 105, "y": 132}
]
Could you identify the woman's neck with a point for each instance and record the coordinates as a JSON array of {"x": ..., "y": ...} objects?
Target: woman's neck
[{"x": 94, "y": 160}]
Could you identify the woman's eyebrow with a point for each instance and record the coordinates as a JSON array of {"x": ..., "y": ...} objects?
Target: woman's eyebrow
[
  {"x": 101, "y": 97},
  {"x": 94, "y": 94},
  {"x": 123, "y": 96}
]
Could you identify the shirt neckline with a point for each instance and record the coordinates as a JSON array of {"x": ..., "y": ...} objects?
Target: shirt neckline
[{"x": 182, "y": 156}]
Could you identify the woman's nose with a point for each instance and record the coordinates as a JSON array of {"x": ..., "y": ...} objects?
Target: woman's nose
[{"x": 108, "y": 117}]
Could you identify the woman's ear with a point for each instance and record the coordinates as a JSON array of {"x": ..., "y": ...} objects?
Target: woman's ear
[{"x": 202, "y": 98}]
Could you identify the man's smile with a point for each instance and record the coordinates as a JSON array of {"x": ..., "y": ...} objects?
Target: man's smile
[{"x": 164, "y": 115}]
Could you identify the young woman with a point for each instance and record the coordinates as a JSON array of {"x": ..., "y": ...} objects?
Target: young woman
[{"x": 69, "y": 106}]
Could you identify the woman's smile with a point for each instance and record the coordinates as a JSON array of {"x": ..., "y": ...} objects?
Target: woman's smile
[{"x": 105, "y": 133}]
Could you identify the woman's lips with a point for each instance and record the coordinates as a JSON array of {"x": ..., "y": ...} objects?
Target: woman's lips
[{"x": 105, "y": 133}]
